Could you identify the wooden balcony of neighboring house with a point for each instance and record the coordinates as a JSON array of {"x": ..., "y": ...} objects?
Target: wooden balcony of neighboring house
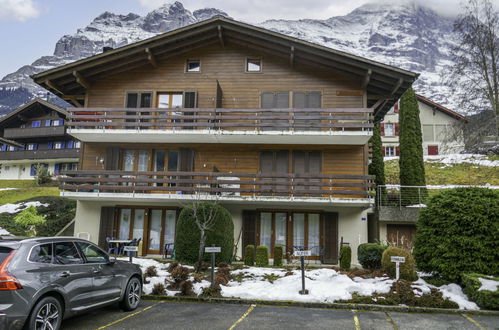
[
  {"x": 222, "y": 125},
  {"x": 355, "y": 190},
  {"x": 40, "y": 154},
  {"x": 33, "y": 132}
]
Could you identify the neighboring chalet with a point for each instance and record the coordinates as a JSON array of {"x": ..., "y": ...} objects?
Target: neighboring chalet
[
  {"x": 438, "y": 125},
  {"x": 34, "y": 135},
  {"x": 273, "y": 128}
]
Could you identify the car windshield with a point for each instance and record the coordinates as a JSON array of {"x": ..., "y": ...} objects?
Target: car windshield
[{"x": 4, "y": 252}]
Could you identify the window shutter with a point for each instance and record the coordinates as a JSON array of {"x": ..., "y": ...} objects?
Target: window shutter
[
  {"x": 190, "y": 100},
  {"x": 314, "y": 100},
  {"x": 282, "y": 100},
  {"x": 219, "y": 96},
  {"x": 50, "y": 145},
  {"x": 396, "y": 129},
  {"x": 396, "y": 107},
  {"x": 186, "y": 160},
  {"x": 132, "y": 100},
  {"x": 267, "y": 100},
  {"x": 249, "y": 229},
  {"x": 299, "y": 100},
  {"x": 397, "y": 151},
  {"x": 383, "y": 150},
  {"x": 145, "y": 100},
  {"x": 382, "y": 128},
  {"x": 112, "y": 159},
  {"x": 106, "y": 228}
]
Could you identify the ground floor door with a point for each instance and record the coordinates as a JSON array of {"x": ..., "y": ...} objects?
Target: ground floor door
[
  {"x": 401, "y": 236},
  {"x": 432, "y": 150}
]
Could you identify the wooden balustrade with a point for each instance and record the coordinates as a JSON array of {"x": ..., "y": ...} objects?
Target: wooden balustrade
[
  {"x": 216, "y": 183},
  {"x": 319, "y": 119}
]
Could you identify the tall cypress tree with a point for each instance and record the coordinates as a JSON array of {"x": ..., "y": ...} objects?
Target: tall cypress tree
[
  {"x": 411, "y": 161},
  {"x": 377, "y": 166}
]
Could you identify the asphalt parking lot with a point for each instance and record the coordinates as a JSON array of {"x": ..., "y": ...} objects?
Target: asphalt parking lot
[{"x": 172, "y": 315}]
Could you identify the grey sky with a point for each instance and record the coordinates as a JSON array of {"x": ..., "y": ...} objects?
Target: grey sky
[{"x": 30, "y": 28}]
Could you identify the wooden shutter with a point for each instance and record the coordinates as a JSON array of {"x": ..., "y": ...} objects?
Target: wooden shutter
[
  {"x": 112, "y": 159},
  {"x": 314, "y": 167},
  {"x": 190, "y": 100},
  {"x": 266, "y": 166},
  {"x": 396, "y": 107},
  {"x": 219, "y": 96},
  {"x": 132, "y": 100},
  {"x": 271, "y": 100},
  {"x": 396, "y": 125},
  {"x": 282, "y": 167},
  {"x": 106, "y": 225},
  {"x": 145, "y": 100},
  {"x": 382, "y": 128},
  {"x": 330, "y": 238},
  {"x": 397, "y": 151},
  {"x": 186, "y": 156},
  {"x": 383, "y": 150},
  {"x": 249, "y": 229}
]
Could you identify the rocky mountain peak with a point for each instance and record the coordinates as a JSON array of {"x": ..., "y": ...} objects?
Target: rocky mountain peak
[
  {"x": 167, "y": 17},
  {"x": 207, "y": 13}
]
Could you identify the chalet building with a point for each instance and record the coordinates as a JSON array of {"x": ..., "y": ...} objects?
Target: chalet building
[
  {"x": 34, "y": 135},
  {"x": 273, "y": 128},
  {"x": 437, "y": 122}
]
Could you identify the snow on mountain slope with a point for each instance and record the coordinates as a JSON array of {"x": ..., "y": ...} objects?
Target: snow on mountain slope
[{"x": 404, "y": 35}]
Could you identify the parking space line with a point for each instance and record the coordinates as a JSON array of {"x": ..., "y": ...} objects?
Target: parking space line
[
  {"x": 356, "y": 321},
  {"x": 250, "y": 309},
  {"x": 128, "y": 316},
  {"x": 475, "y": 322},
  {"x": 391, "y": 321}
]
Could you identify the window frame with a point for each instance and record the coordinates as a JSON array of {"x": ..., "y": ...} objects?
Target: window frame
[
  {"x": 192, "y": 61},
  {"x": 77, "y": 251},
  {"x": 28, "y": 257},
  {"x": 85, "y": 260},
  {"x": 246, "y": 64}
]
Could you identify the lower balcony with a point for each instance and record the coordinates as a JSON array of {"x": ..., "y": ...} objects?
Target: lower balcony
[
  {"x": 347, "y": 190},
  {"x": 40, "y": 154}
]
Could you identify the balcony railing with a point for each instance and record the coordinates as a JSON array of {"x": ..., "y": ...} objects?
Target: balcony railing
[
  {"x": 314, "y": 119},
  {"x": 221, "y": 184},
  {"x": 30, "y": 132},
  {"x": 40, "y": 154}
]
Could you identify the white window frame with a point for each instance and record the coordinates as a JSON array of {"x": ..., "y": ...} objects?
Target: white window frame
[
  {"x": 390, "y": 151},
  {"x": 391, "y": 131}
]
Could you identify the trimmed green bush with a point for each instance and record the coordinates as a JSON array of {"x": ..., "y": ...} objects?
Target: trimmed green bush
[
  {"x": 345, "y": 257},
  {"x": 457, "y": 233},
  {"x": 278, "y": 252},
  {"x": 249, "y": 255},
  {"x": 369, "y": 255},
  {"x": 483, "y": 298},
  {"x": 407, "y": 268},
  {"x": 188, "y": 235},
  {"x": 262, "y": 256}
]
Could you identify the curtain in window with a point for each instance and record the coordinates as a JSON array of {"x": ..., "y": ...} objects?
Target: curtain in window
[
  {"x": 125, "y": 217},
  {"x": 280, "y": 230},
  {"x": 313, "y": 234},
  {"x": 138, "y": 223},
  {"x": 170, "y": 227},
  {"x": 266, "y": 229},
  {"x": 298, "y": 229}
]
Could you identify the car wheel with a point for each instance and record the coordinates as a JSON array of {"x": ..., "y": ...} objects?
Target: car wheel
[
  {"x": 46, "y": 315},
  {"x": 131, "y": 298}
]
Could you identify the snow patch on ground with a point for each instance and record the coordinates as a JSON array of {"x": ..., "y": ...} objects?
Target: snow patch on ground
[
  {"x": 451, "y": 159},
  {"x": 452, "y": 291},
  {"x": 14, "y": 208},
  {"x": 3, "y": 232},
  {"x": 488, "y": 285},
  {"x": 1, "y": 189}
]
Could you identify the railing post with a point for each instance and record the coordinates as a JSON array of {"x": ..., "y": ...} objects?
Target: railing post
[
  {"x": 419, "y": 195},
  {"x": 400, "y": 197}
]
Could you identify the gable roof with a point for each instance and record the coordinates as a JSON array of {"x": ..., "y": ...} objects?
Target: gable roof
[
  {"x": 31, "y": 105},
  {"x": 384, "y": 83},
  {"x": 441, "y": 108}
]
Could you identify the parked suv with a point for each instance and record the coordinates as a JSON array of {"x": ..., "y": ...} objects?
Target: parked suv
[{"x": 44, "y": 280}]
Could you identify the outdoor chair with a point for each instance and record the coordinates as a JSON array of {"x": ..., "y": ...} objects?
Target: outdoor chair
[{"x": 110, "y": 248}]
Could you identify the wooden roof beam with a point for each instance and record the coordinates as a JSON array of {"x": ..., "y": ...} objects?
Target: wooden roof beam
[
  {"x": 397, "y": 86},
  {"x": 151, "y": 58},
  {"x": 292, "y": 56},
  {"x": 81, "y": 80},
  {"x": 75, "y": 102},
  {"x": 73, "y": 96},
  {"x": 220, "y": 36},
  {"x": 53, "y": 86},
  {"x": 367, "y": 78}
]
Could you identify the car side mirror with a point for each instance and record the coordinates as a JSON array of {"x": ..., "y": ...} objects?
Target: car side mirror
[{"x": 111, "y": 260}]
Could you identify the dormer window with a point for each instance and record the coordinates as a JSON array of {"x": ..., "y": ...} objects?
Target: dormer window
[
  {"x": 193, "y": 66},
  {"x": 253, "y": 65}
]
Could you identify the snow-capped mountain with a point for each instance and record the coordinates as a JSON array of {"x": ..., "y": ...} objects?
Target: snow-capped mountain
[{"x": 408, "y": 36}]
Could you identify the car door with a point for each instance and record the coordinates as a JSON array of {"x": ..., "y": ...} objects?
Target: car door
[
  {"x": 106, "y": 283},
  {"x": 72, "y": 275}
]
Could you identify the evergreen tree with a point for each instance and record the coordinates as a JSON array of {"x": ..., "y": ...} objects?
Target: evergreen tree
[
  {"x": 411, "y": 161},
  {"x": 377, "y": 166}
]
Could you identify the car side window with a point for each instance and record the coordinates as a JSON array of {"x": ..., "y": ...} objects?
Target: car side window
[
  {"x": 65, "y": 253},
  {"x": 92, "y": 254},
  {"x": 41, "y": 253}
]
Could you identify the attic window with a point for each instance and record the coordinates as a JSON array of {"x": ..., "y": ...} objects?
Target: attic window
[
  {"x": 193, "y": 66},
  {"x": 253, "y": 65}
]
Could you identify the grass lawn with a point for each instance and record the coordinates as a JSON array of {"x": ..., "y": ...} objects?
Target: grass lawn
[
  {"x": 25, "y": 189},
  {"x": 459, "y": 174}
]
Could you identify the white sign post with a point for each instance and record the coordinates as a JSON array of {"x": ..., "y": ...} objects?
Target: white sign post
[
  {"x": 130, "y": 249},
  {"x": 212, "y": 250},
  {"x": 302, "y": 255},
  {"x": 397, "y": 261}
]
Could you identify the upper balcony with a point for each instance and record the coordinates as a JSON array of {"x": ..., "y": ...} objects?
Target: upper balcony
[
  {"x": 33, "y": 132},
  {"x": 40, "y": 154},
  {"x": 343, "y": 126},
  {"x": 255, "y": 188}
]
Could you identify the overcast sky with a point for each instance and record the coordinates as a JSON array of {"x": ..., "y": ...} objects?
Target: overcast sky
[{"x": 30, "y": 28}]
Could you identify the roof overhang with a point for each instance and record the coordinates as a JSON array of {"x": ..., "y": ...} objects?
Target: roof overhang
[
  {"x": 441, "y": 108},
  {"x": 384, "y": 83}
]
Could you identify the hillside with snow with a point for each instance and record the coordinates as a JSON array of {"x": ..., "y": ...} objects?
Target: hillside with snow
[{"x": 405, "y": 35}]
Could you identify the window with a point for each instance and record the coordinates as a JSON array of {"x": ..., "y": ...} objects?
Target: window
[
  {"x": 41, "y": 254},
  {"x": 92, "y": 254},
  {"x": 170, "y": 100},
  {"x": 138, "y": 100},
  {"x": 77, "y": 145},
  {"x": 193, "y": 66},
  {"x": 32, "y": 146},
  {"x": 4, "y": 147},
  {"x": 59, "y": 145},
  {"x": 69, "y": 144},
  {"x": 57, "y": 122},
  {"x": 12, "y": 148},
  {"x": 48, "y": 122},
  {"x": 389, "y": 151},
  {"x": 65, "y": 253},
  {"x": 7, "y": 168},
  {"x": 253, "y": 65},
  {"x": 36, "y": 123},
  {"x": 389, "y": 130},
  {"x": 428, "y": 133}
]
